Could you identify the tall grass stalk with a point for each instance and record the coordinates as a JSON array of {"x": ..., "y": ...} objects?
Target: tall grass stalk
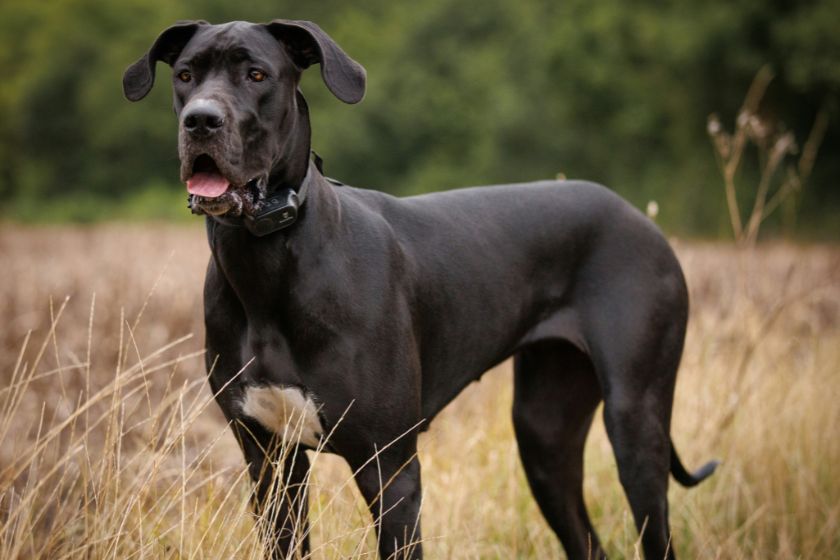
[{"x": 781, "y": 173}]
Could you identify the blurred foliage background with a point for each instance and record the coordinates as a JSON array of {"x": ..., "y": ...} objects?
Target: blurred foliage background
[{"x": 460, "y": 92}]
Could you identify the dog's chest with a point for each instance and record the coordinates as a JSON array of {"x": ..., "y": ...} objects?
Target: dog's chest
[{"x": 287, "y": 411}]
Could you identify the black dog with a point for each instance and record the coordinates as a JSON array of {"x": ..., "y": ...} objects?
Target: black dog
[{"x": 363, "y": 315}]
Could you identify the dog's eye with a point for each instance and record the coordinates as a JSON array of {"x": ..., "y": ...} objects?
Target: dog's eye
[
  {"x": 185, "y": 76},
  {"x": 256, "y": 76}
]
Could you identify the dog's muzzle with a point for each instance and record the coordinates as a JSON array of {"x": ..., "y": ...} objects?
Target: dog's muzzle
[{"x": 216, "y": 186}]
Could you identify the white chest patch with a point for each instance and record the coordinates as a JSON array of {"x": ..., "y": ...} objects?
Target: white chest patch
[{"x": 286, "y": 411}]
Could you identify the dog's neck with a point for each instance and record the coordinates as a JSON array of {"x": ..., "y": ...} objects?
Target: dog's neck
[
  {"x": 267, "y": 273},
  {"x": 263, "y": 283}
]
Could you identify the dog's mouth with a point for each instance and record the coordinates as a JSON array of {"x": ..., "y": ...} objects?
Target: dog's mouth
[
  {"x": 211, "y": 192},
  {"x": 207, "y": 180}
]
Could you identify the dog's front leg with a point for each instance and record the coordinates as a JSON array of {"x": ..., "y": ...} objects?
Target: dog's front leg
[
  {"x": 280, "y": 497},
  {"x": 279, "y": 471},
  {"x": 280, "y": 494},
  {"x": 393, "y": 493}
]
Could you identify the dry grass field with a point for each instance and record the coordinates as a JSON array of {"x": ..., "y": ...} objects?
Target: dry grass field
[{"x": 111, "y": 446}]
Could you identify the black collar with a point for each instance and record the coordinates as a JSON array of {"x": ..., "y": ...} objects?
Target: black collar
[{"x": 278, "y": 211}]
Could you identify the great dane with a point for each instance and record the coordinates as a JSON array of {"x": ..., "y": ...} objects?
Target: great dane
[{"x": 332, "y": 310}]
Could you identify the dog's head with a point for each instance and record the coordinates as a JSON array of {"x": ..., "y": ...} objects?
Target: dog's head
[{"x": 236, "y": 98}]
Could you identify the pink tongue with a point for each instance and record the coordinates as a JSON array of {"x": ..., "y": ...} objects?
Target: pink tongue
[{"x": 208, "y": 185}]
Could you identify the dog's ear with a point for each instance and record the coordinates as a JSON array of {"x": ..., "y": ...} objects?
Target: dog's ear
[
  {"x": 307, "y": 44},
  {"x": 140, "y": 76}
]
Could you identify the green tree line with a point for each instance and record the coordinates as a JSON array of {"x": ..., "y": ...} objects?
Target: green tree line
[{"x": 460, "y": 92}]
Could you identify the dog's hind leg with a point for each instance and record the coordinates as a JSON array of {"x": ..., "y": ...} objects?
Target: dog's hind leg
[
  {"x": 555, "y": 396},
  {"x": 638, "y": 430},
  {"x": 637, "y": 368}
]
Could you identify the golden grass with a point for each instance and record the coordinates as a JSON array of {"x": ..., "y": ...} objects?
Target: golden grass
[{"x": 113, "y": 448}]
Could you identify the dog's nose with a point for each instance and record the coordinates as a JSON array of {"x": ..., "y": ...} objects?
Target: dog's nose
[{"x": 203, "y": 120}]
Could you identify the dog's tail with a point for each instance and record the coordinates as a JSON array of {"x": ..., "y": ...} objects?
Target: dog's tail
[{"x": 686, "y": 478}]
